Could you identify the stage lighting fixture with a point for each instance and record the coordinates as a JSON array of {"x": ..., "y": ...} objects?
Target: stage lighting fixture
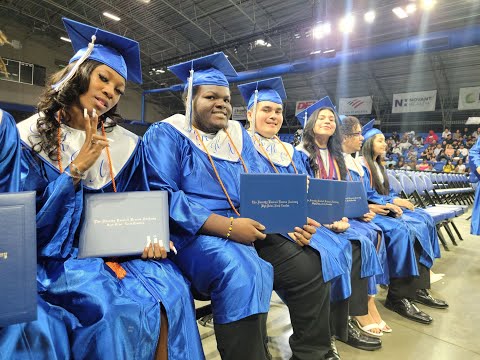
[
  {"x": 111, "y": 16},
  {"x": 400, "y": 13},
  {"x": 65, "y": 39},
  {"x": 369, "y": 16},
  {"x": 321, "y": 30},
  {"x": 347, "y": 24}
]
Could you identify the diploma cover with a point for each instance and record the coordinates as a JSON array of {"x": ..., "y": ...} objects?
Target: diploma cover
[
  {"x": 120, "y": 224},
  {"x": 277, "y": 201},
  {"x": 18, "y": 258}
]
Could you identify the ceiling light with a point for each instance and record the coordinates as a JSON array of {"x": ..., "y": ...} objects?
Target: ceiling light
[
  {"x": 369, "y": 16},
  {"x": 111, "y": 16},
  {"x": 316, "y": 52},
  {"x": 65, "y": 39},
  {"x": 411, "y": 8},
  {"x": 401, "y": 14},
  {"x": 347, "y": 24},
  {"x": 321, "y": 30},
  {"x": 428, "y": 4},
  {"x": 329, "y": 51},
  {"x": 261, "y": 42}
]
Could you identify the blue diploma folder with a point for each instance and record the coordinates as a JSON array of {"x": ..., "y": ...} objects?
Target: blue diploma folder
[
  {"x": 326, "y": 200},
  {"x": 118, "y": 224},
  {"x": 356, "y": 204},
  {"x": 277, "y": 201},
  {"x": 18, "y": 258}
]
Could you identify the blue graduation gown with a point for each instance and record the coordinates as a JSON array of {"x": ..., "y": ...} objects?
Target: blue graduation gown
[
  {"x": 106, "y": 316},
  {"x": 236, "y": 279},
  {"x": 474, "y": 159},
  {"x": 400, "y": 235},
  {"x": 46, "y": 337}
]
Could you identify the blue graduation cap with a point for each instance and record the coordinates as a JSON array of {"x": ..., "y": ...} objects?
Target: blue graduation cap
[
  {"x": 368, "y": 130},
  {"x": 208, "y": 70},
  {"x": 119, "y": 53},
  {"x": 341, "y": 118},
  {"x": 263, "y": 90},
  {"x": 322, "y": 103}
]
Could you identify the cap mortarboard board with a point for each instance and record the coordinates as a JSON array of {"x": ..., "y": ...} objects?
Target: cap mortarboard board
[
  {"x": 208, "y": 70},
  {"x": 322, "y": 103},
  {"x": 268, "y": 90},
  {"x": 368, "y": 130},
  {"x": 118, "y": 52}
]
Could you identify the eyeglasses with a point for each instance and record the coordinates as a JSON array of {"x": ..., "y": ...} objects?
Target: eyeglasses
[{"x": 354, "y": 134}]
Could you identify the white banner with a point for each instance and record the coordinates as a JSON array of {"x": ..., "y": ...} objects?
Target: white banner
[
  {"x": 469, "y": 98},
  {"x": 414, "y": 101},
  {"x": 302, "y": 105},
  {"x": 355, "y": 106},
  {"x": 239, "y": 113}
]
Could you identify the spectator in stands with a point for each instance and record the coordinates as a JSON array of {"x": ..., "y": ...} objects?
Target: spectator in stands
[
  {"x": 404, "y": 144},
  {"x": 430, "y": 167},
  {"x": 448, "y": 139},
  {"x": 457, "y": 135},
  {"x": 463, "y": 150},
  {"x": 470, "y": 142},
  {"x": 400, "y": 164},
  {"x": 423, "y": 165},
  {"x": 449, "y": 151},
  {"x": 476, "y": 133},
  {"x": 458, "y": 155},
  {"x": 448, "y": 167},
  {"x": 460, "y": 168},
  {"x": 395, "y": 136},
  {"x": 438, "y": 149},
  {"x": 412, "y": 154},
  {"x": 418, "y": 141},
  {"x": 445, "y": 133},
  {"x": 431, "y": 137},
  {"x": 466, "y": 132}
]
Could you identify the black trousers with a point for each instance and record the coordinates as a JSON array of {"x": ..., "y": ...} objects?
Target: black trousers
[
  {"x": 235, "y": 341},
  {"x": 358, "y": 304},
  {"x": 406, "y": 287},
  {"x": 298, "y": 280}
]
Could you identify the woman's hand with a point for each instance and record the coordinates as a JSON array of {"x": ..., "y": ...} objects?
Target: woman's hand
[
  {"x": 246, "y": 231},
  {"x": 155, "y": 250},
  {"x": 404, "y": 203},
  {"x": 396, "y": 209},
  {"x": 379, "y": 209},
  {"x": 303, "y": 236},
  {"x": 93, "y": 145},
  {"x": 368, "y": 216},
  {"x": 339, "y": 226}
]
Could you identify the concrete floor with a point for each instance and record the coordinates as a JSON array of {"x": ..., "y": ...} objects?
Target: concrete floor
[{"x": 454, "y": 334}]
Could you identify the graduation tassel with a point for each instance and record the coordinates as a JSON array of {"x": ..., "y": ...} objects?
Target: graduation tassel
[
  {"x": 188, "y": 107},
  {"x": 58, "y": 86},
  {"x": 254, "y": 113}
]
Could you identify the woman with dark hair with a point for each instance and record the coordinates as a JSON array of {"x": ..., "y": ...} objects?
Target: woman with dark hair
[
  {"x": 322, "y": 150},
  {"x": 409, "y": 257},
  {"x": 128, "y": 308}
]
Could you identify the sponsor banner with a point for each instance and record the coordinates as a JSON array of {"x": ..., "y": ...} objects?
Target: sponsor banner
[
  {"x": 239, "y": 113},
  {"x": 355, "y": 106},
  {"x": 414, "y": 101},
  {"x": 469, "y": 98},
  {"x": 302, "y": 105}
]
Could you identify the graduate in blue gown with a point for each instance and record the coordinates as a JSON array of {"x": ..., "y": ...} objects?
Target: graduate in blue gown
[
  {"x": 409, "y": 251},
  {"x": 46, "y": 337},
  {"x": 265, "y": 114},
  {"x": 474, "y": 162},
  {"x": 321, "y": 146},
  {"x": 198, "y": 158},
  {"x": 116, "y": 308}
]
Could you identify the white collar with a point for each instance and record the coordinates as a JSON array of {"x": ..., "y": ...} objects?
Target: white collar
[
  {"x": 353, "y": 164},
  {"x": 218, "y": 145},
  {"x": 121, "y": 149},
  {"x": 1, "y": 115},
  {"x": 275, "y": 151}
]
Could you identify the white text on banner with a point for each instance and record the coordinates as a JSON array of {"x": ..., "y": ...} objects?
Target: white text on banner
[{"x": 414, "y": 101}]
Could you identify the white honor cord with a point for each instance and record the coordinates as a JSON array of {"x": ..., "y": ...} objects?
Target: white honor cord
[
  {"x": 254, "y": 113},
  {"x": 188, "y": 109}
]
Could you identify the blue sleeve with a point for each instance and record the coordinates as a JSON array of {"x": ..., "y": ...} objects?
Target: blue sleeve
[
  {"x": 372, "y": 195},
  {"x": 59, "y": 206},
  {"x": 165, "y": 159},
  {"x": 474, "y": 156},
  {"x": 10, "y": 154},
  {"x": 250, "y": 155}
]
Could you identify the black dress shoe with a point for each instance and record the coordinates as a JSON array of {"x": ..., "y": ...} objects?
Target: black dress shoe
[
  {"x": 423, "y": 297},
  {"x": 361, "y": 341},
  {"x": 332, "y": 354},
  {"x": 408, "y": 310}
]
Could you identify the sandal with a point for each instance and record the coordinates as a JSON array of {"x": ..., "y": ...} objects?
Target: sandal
[
  {"x": 382, "y": 327},
  {"x": 367, "y": 328}
]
